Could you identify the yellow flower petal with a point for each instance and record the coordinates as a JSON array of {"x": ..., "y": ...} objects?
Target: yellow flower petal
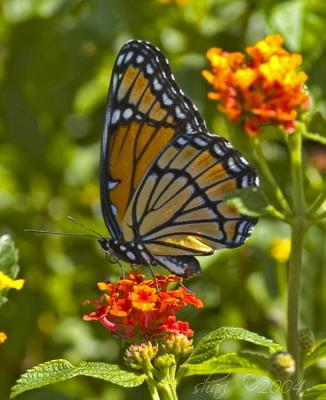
[
  {"x": 245, "y": 77},
  {"x": 8, "y": 283},
  {"x": 102, "y": 285},
  {"x": 280, "y": 249},
  {"x": 272, "y": 44},
  {"x": 3, "y": 337}
]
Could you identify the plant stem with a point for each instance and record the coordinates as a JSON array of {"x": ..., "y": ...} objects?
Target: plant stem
[
  {"x": 298, "y": 228},
  {"x": 320, "y": 217},
  {"x": 165, "y": 383},
  {"x": 279, "y": 196},
  {"x": 170, "y": 384},
  {"x": 318, "y": 202},
  {"x": 152, "y": 390},
  {"x": 315, "y": 137},
  {"x": 276, "y": 213},
  {"x": 168, "y": 390}
]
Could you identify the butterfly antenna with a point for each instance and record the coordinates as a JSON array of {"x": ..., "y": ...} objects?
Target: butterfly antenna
[
  {"x": 59, "y": 233},
  {"x": 72, "y": 219}
]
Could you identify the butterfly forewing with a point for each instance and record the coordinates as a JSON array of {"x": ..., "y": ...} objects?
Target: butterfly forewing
[
  {"x": 179, "y": 208},
  {"x": 146, "y": 110}
]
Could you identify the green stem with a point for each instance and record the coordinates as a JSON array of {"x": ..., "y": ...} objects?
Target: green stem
[
  {"x": 279, "y": 196},
  {"x": 321, "y": 216},
  {"x": 295, "y": 264},
  {"x": 166, "y": 382},
  {"x": 315, "y": 137},
  {"x": 173, "y": 391},
  {"x": 168, "y": 390},
  {"x": 173, "y": 381},
  {"x": 152, "y": 389},
  {"x": 276, "y": 213},
  {"x": 170, "y": 386},
  {"x": 318, "y": 202}
]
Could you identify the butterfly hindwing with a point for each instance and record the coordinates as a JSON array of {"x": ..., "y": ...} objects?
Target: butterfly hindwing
[
  {"x": 146, "y": 109},
  {"x": 179, "y": 208}
]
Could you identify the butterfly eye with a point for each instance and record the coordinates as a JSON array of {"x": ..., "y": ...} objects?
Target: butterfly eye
[{"x": 104, "y": 244}]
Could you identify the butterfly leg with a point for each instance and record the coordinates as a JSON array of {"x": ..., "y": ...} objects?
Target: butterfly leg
[
  {"x": 186, "y": 289},
  {"x": 154, "y": 279},
  {"x": 122, "y": 270},
  {"x": 114, "y": 260}
]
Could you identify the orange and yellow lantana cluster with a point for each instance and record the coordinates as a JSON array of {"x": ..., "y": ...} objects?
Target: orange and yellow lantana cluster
[
  {"x": 135, "y": 308},
  {"x": 262, "y": 87}
]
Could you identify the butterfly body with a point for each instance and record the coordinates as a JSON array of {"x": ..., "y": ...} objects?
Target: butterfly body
[
  {"x": 132, "y": 252},
  {"x": 135, "y": 253},
  {"x": 163, "y": 175}
]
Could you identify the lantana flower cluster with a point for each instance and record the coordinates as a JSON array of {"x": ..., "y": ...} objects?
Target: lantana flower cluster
[
  {"x": 135, "y": 308},
  {"x": 262, "y": 87}
]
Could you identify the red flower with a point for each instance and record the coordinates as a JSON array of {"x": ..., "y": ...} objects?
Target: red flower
[
  {"x": 133, "y": 308},
  {"x": 173, "y": 326},
  {"x": 262, "y": 88}
]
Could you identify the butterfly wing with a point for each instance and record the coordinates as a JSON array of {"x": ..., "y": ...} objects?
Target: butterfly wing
[
  {"x": 146, "y": 109},
  {"x": 179, "y": 207}
]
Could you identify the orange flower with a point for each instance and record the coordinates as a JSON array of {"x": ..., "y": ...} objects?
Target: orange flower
[
  {"x": 174, "y": 326},
  {"x": 260, "y": 88},
  {"x": 133, "y": 308},
  {"x": 143, "y": 298}
]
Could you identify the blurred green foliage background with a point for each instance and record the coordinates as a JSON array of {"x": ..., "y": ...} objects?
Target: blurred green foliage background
[{"x": 56, "y": 58}]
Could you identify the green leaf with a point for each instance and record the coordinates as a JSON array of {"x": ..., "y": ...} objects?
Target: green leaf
[
  {"x": 208, "y": 346},
  {"x": 317, "y": 392},
  {"x": 8, "y": 256},
  {"x": 248, "y": 201},
  {"x": 317, "y": 353},
  {"x": 317, "y": 124},
  {"x": 230, "y": 363},
  {"x": 286, "y": 19},
  {"x": 60, "y": 370}
]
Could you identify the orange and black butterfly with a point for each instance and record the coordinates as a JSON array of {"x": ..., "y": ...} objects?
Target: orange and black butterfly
[{"x": 163, "y": 176}]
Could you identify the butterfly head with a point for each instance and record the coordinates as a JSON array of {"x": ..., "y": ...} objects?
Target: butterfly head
[
  {"x": 111, "y": 249},
  {"x": 122, "y": 250},
  {"x": 105, "y": 244}
]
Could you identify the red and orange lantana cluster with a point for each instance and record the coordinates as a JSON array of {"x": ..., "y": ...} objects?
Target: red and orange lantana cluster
[
  {"x": 260, "y": 88},
  {"x": 135, "y": 308}
]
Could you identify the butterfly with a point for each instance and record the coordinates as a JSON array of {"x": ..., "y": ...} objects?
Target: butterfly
[{"x": 163, "y": 176}]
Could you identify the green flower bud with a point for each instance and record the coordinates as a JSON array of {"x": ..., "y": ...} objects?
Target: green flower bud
[
  {"x": 177, "y": 344},
  {"x": 306, "y": 339},
  {"x": 283, "y": 364},
  {"x": 139, "y": 356},
  {"x": 164, "y": 362}
]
